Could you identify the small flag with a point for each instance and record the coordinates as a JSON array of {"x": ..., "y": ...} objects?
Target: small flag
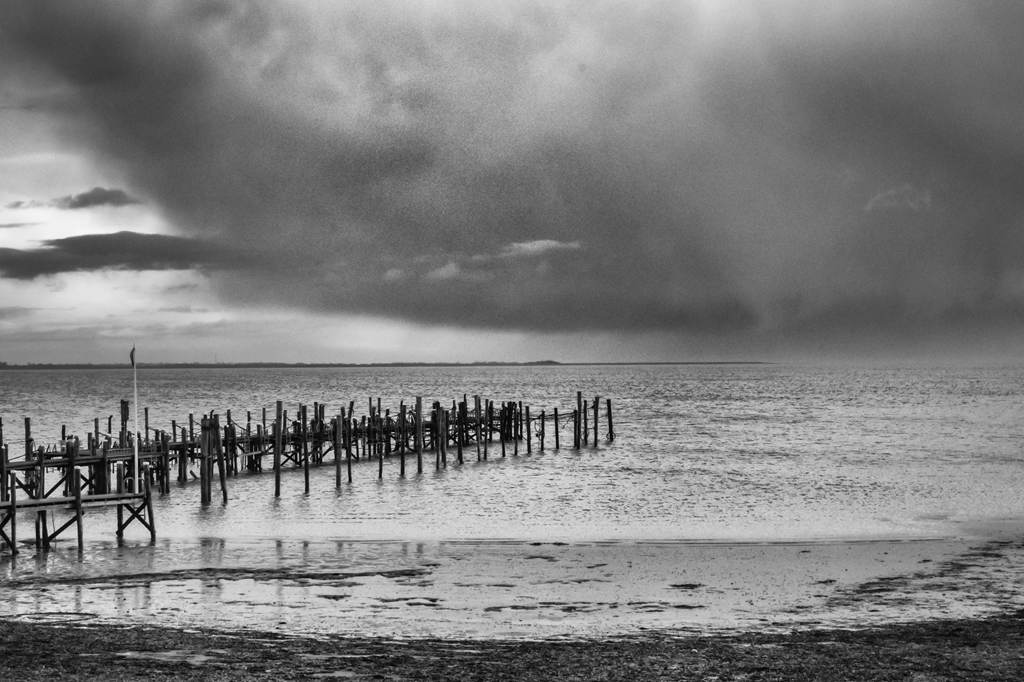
[{"x": 132, "y": 356}]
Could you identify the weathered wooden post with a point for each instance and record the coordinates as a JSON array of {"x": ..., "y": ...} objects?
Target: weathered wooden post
[
  {"x": 76, "y": 475},
  {"x": 445, "y": 443},
  {"x": 541, "y": 439},
  {"x": 123, "y": 442},
  {"x": 69, "y": 454},
  {"x": 514, "y": 419},
  {"x": 476, "y": 416},
  {"x": 380, "y": 455},
  {"x": 580, "y": 418},
  {"x": 104, "y": 484},
  {"x": 120, "y": 491},
  {"x": 3, "y": 470},
  {"x": 204, "y": 454},
  {"x": 557, "y": 447},
  {"x": 181, "y": 451},
  {"x": 419, "y": 435},
  {"x": 401, "y": 438},
  {"x": 486, "y": 427},
  {"x": 585, "y": 419},
  {"x": 337, "y": 433},
  {"x": 611, "y": 431},
  {"x": 369, "y": 449},
  {"x": 502, "y": 417},
  {"x": 149, "y": 503},
  {"x": 42, "y": 533},
  {"x": 221, "y": 464},
  {"x": 597, "y": 404},
  {"x": 529, "y": 432},
  {"x": 13, "y": 487},
  {"x": 304, "y": 435},
  {"x": 460, "y": 430},
  {"x": 278, "y": 447},
  {"x": 442, "y": 427},
  {"x": 166, "y": 443}
]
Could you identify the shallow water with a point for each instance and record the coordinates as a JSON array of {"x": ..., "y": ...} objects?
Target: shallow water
[{"x": 727, "y": 452}]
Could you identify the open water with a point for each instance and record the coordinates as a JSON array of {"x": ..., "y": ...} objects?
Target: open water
[
  {"x": 715, "y": 471},
  {"x": 702, "y": 452}
]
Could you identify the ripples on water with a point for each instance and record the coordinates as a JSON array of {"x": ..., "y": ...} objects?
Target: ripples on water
[{"x": 727, "y": 452}]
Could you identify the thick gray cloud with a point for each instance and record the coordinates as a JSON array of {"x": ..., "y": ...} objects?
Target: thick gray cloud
[
  {"x": 97, "y": 196},
  {"x": 794, "y": 166},
  {"x": 117, "y": 251}
]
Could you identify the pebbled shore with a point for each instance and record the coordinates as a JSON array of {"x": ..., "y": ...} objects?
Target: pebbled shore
[{"x": 983, "y": 649}]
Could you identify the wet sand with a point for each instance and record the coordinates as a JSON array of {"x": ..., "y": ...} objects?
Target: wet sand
[
  {"x": 923, "y": 610},
  {"x": 518, "y": 590},
  {"x": 964, "y": 649}
]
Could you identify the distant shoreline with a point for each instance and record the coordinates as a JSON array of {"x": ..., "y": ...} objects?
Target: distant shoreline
[{"x": 314, "y": 365}]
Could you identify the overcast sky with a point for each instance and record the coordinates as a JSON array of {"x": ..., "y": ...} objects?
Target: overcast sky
[{"x": 515, "y": 180}]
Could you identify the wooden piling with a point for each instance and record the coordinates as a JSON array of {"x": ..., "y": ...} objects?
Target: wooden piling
[
  {"x": 529, "y": 432},
  {"x": 611, "y": 430},
  {"x": 419, "y": 435},
  {"x": 444, "y": 439},
  {"x": 149, "y": 503},
  {"x": 304, "y": 435},
  {"x": 104, "y": 470},
  {"x": 486, "y": 427},
  {"x": 165, "y": 442},
  {"x": 580, "y": 418},
  {"x": 557, "y": 447},
  {"x": 76, "y": 476},
  {"x": 3, "y": 469},
  {"x": 542, "y": 430},
  {"x": 204, "y": 453},
  {"x": 221, "y": 464},
  {"x": 476, "y": 414},
  {"x": 278, "y": 446},
  {"x": 513, "y": 419},
  {"x": 380, "y": 460},
  {"x": 42, "y": 533},
  {"x": 338, "y": 449},
  {"x": 502, "y": 416},
  {"x": 120, "y": 491}
]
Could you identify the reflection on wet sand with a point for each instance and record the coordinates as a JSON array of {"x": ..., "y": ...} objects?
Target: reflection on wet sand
[{"x": 526, "y": 590}]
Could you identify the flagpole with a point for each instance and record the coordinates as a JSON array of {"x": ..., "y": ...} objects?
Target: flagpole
[{"x": 135, "y": 394}]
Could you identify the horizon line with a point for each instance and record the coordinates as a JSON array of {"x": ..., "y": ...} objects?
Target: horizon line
[{"x": 275, "y": 365}]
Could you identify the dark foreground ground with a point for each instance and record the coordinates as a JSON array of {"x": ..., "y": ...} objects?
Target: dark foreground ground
[{"x": 991, "y": 649}]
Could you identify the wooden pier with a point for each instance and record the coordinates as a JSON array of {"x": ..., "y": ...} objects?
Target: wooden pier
[{"x": 99, "y": 471}]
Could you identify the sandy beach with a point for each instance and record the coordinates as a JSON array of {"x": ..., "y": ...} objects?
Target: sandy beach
[{"x": 195, "y": 618}]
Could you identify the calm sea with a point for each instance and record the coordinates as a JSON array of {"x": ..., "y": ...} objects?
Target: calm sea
[{"x": 710, "y": 452}]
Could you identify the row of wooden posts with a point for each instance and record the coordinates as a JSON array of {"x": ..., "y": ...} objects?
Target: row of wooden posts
[
  {"x": 308, "y": 439},
  {"x": 104, "y": 470}
]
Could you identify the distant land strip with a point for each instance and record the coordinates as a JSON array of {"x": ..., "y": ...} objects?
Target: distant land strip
[{"x": 315, "y": 365}]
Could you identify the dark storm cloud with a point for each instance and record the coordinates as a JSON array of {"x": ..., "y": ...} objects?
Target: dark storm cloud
[
  {"x": 97, "y": 196},
  {"x": 119, "y": 251},
  {"x": 791, "y": 165}
]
